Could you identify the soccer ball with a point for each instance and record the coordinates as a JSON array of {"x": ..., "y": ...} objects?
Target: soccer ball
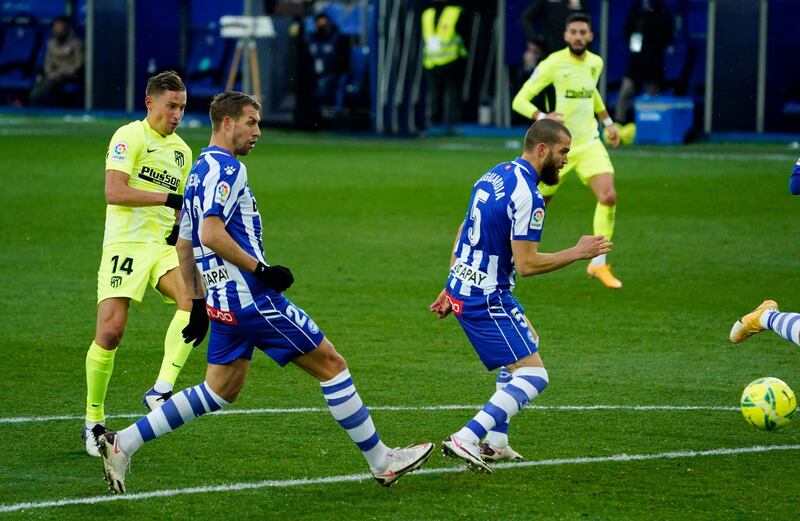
[{"x": 768, "y": 403}]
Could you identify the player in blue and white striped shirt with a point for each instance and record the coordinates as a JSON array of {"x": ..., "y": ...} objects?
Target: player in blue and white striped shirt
[
  {"x": 220, "y": 247},
  {"x": 499, "y": 239}
]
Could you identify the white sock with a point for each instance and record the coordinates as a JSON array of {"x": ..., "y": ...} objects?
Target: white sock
[
  {"x": 599, "y": 260},
  {"x": 162, "y": 387}
]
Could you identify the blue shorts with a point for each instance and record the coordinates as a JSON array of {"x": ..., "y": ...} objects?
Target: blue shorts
[
  {"x": 275, "y": 325},
  {"x": 496, "y": 326}
]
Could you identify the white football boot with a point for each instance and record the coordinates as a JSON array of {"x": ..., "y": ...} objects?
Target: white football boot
[
  {"x": 115, "y": 461},
  {"x": 403, "y": 461},
  {"x": 469, "y": 452},
  {"x": 491, "y": 453}
]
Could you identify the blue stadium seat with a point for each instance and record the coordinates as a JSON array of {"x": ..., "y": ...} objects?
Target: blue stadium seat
[
  {"x": 351, "y": 23},
  {"x": 354, "y": 87},
  {"x": 208, "y": 61},
  {"x": 19, "y": 48}
]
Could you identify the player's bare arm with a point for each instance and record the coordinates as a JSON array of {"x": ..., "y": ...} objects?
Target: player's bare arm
[
  {"x": 613, "y": 135},
  {"x": 216, "y": 237},
  {"x": 191, "y": 275},
  {"x": 529, "y": 261},
  {"x": 118, "y": 192}
]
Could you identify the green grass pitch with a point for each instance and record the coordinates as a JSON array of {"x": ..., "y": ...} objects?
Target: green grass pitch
[{"x": 704, "y": 234}]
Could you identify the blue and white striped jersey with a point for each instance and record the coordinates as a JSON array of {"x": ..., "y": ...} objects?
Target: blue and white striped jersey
[
  {"x": 505, "y": 205},
  {"x": 217, "y": 185}
]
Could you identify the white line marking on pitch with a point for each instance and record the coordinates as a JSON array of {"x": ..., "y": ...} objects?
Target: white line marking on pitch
[
  {"x": 364, "y": 477},
  {"x": 31, "y": 419}
]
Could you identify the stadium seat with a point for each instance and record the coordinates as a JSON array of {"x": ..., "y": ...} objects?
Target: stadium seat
[
  {"x": 357, "y": 76},
  {"x": 208, "y": 62},
  {"x": 19, "y": 48},
  {"x": 351, "y": 23}
]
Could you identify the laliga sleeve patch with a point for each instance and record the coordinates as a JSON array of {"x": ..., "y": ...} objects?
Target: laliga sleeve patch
[
  {"x": 119, "y": 151},
  {"x": 537, "y": 218},
  {"x": 223, "y": 191}
]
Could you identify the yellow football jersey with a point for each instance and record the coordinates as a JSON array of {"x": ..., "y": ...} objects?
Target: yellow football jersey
[
  {"x": 577, "y": 98},
  {"x": 155, "y": 163}
]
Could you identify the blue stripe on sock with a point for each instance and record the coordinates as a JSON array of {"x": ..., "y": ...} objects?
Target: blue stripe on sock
[
  {"x": 781, "y": 320},
  {"x": 330, "y": 389},
  {"x": 212, "y": 403},
  {"x": 499, "y": 415},
  {"x": 194, "y": 400},
  {"x": 771, "y": 319},
  {"x": 145, "y": 430},
  {"x": 355, "y": 419},
  {"x": 518, "y": 394},
  {"x": 787, "y": 331},
  {"x": 174, "y": 417},
  {"x": 501, "y": 428},
  {"x": 539, "y": 383},
  {"x": 369, "y": 443},
  {"x": 476, "y": 428},
  {"x": 333, "y": 402}
]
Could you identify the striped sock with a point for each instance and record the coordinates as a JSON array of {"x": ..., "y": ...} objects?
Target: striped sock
[
  {"x": 181, "y": 408},
  {"x": 498, "y": 435},
  {"x": 787, "y": 325},
  {"x": 351, "y": 413},
  {"x": 525, "y": 385}
]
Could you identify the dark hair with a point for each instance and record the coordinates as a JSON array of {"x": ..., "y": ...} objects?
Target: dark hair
[
  {"x": 547, "y": 131},
  {"x": 231, "y": 104},
  {"x": 579, "y": 17},
  {"x": 163, "y": 81}
]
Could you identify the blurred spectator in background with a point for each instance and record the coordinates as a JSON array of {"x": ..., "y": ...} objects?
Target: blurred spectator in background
[
  {"x": 551, "y": 17},
  {"x": 648, "y": 31},
  {"x": 443, "y": 30},
  {"x": 330, "y": 55},
  {"x": 63, "y": 65}
]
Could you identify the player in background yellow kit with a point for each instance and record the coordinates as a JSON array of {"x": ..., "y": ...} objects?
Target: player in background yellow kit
[
  {"x": 574, "y": 72},
  {"x": 146, "y": 169}
]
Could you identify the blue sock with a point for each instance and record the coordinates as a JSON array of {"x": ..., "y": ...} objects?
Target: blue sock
[
  {"x": 182, "y": 407},
  {"x": 526, "y": 384}
]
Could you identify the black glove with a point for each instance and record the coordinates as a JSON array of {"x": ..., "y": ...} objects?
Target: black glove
[
  {"x": 174, "y": 201},
  {"x": 172, "y": 238},
  {"x": 276, "y": 277},
  {"x": 198, "y": 323}
]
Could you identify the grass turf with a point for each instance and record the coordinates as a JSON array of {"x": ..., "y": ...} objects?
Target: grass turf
[{"x": 703, "y": 235}]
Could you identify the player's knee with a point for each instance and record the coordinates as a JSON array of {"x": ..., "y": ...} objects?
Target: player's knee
[
  {"x": 109, "y": 334},
  {"x": 334, "y": 362},
  {"x": 608, "y": 198}
]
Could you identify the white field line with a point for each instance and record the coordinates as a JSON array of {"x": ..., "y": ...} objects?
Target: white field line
[
  {"x": 13, "y": 507},
  {"x": 34, "y": 419}
]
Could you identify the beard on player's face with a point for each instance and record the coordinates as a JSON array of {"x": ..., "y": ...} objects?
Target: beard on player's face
[
  {"x": 549, "y": 170},
  {"x": 577, "y": 49}
]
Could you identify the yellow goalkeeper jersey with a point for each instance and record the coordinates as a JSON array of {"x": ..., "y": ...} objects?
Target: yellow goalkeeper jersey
[
  {"x": 155, "y": 163},
  {"x": 575, "y": 80}
]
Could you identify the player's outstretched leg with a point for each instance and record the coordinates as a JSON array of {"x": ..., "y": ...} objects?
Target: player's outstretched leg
[
  {"x": 116, "y": 448},
  {"x": 767, "y": 316},
  {"x": 495, "y": 446},
  {"x": 387, "y": 465},
  {"x": 526, "y": 383},
  {"x": 751, "y": 323},
  {"x": 330, "y": 368}
]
